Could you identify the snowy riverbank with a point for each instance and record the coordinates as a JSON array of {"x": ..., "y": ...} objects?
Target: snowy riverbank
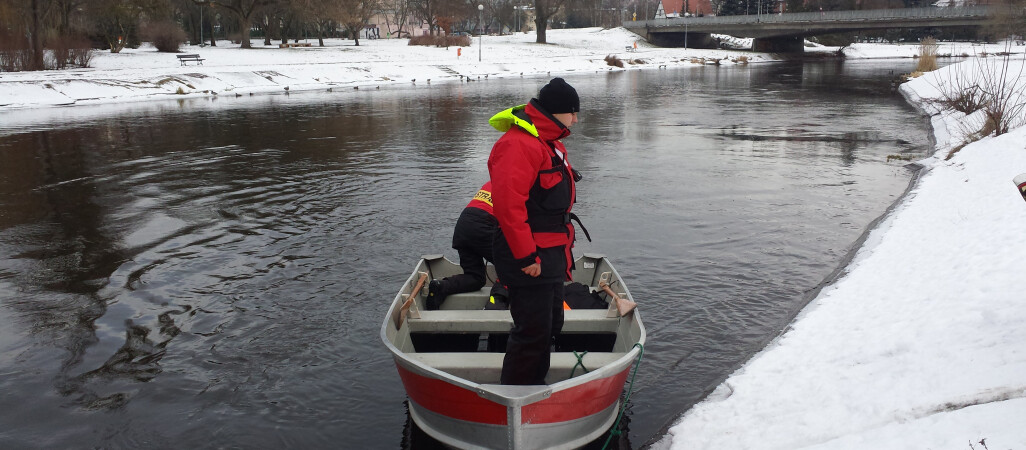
[
  {"x": 227, "y": 71},
  {"x": 920, "y": 343}
]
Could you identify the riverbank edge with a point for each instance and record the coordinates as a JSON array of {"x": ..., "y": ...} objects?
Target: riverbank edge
[
  {"x": 918, "y": 170},
  {"x": 106, "y": 86},
  {"x": 943, "y": 140}
]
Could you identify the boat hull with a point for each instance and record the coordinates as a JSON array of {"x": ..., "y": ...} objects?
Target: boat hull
[
  {"x": 470, "y": 435},
  {"x": 454, "y": 395},
  {"x": 463, "y": 418}
]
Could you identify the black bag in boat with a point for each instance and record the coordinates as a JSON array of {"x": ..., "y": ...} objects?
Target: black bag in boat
[{"x": 579, "y": 296}]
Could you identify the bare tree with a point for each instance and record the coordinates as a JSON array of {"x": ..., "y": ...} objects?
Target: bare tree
[
  {"x": 269, "y": 27},
  {"x": 117, "y": 21},
  {"x": 501, "y": 12},
  {"x": 319, "y": 13},
  {"x": 354, "y": 15},
  {"x": 62, "y": 11},
  {"x": 545, "y": 9},
  {"x": 289, "y": 20},
  {"x": 244, "y": 11},
  {"x": 397, "y": 13},
  {"x": 427, "y": 10}
]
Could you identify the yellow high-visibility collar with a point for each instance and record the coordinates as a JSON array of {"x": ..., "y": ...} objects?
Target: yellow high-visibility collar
[{"x": 505, "y": 120}]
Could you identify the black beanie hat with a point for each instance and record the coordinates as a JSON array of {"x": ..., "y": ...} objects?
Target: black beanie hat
[{"x": 558, "y": 97}]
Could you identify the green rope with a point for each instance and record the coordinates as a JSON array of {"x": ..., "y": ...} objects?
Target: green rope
[
  {"x": 615, "y": 431},
  {"x": 580, "y": 362}
]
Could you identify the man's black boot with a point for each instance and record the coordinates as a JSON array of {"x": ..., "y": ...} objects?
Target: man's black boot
[{"x": 435, "y": 295}]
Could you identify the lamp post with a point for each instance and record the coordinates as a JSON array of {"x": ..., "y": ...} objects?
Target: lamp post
[
  {"x": 480, "y": 10},
  {"x": 201, "y": 23},
  {"x": 516, "y": 13}
]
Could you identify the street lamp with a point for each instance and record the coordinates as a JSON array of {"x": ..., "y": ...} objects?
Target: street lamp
[{"x": 480, "y": 10}]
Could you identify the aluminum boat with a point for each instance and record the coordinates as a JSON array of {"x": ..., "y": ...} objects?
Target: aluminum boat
[{"x": 450, "y": 359}]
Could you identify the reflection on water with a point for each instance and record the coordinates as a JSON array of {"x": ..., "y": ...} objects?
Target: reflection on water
[{"x": 214, "y": 272}]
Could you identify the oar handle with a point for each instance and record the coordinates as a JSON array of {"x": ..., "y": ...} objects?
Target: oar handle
[
  {"x": 409, "y": 300},
  {"x": 609, "y": 291},
  {"x": 623, "y": 306}
]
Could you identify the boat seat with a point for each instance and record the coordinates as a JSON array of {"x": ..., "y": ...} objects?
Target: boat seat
[
  {"x": 498, "y": 321},
  {"x": 484, "y": 367}
]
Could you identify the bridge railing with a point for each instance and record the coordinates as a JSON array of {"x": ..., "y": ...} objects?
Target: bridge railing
[{"x": 822, "y": 16}]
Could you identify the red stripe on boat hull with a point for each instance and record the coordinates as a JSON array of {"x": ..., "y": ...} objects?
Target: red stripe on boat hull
[
  {"x": 450, "y": 400},
  {"x": 456, "y": 402},
  {"x": 574, "y": 403}
]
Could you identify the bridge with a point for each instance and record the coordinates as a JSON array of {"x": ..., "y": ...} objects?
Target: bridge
[{"x": 786, "y": 32}]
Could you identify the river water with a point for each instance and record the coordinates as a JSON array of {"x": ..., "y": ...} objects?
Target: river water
[{"x": 213, "y": 272}]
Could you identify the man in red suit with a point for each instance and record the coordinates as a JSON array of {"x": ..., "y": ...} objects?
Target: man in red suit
[{"x": 533, "y": 191}]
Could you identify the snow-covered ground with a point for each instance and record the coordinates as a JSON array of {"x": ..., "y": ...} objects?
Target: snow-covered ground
[
  {"x": 920, "y": 344},
  {"x": 145, "y": 74}
]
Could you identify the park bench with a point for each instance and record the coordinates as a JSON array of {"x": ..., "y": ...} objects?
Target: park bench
[
  {"x": 631, "y": 49},
  {"x": 190, "y": 57},
  {"x": 295, "y": 44}
]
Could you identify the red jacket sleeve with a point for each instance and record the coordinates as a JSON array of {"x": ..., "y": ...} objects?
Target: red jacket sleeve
[{"x": 513, "y": 167}]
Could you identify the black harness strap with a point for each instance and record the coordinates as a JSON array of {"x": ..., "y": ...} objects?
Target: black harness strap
[{"x": 578, "y": 220}]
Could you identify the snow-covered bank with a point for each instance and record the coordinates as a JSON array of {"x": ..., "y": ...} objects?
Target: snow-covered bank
[
  {"x": 920, "y": 343},
  {"x": 145, "y": 74}
]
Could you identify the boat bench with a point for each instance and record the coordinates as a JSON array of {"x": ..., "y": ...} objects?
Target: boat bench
[
  {"x": 498, "y": 321},
  {"x": 484, "y": 367}
]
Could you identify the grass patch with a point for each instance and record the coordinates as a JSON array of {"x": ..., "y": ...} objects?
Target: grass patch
[{"x": 927, "y": 55}]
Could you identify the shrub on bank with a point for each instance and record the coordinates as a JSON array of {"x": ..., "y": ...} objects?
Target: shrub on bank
[
  {"x": 989, "y": 93},
  {"x": 441, "y": 41},
  {"x": 68, "y": 51},
  {"x": 166, "y": 36},
  {"x": 60, "y": 52},
  {"x": 14, "y": 52}
]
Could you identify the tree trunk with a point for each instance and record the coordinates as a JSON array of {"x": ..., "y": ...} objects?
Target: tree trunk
[
  {"x": 540, "y": 23},
  {"x": 37, "y": 38},
  {"x": 65, "y": 26},
  {"x": 243, "y": 30}
]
